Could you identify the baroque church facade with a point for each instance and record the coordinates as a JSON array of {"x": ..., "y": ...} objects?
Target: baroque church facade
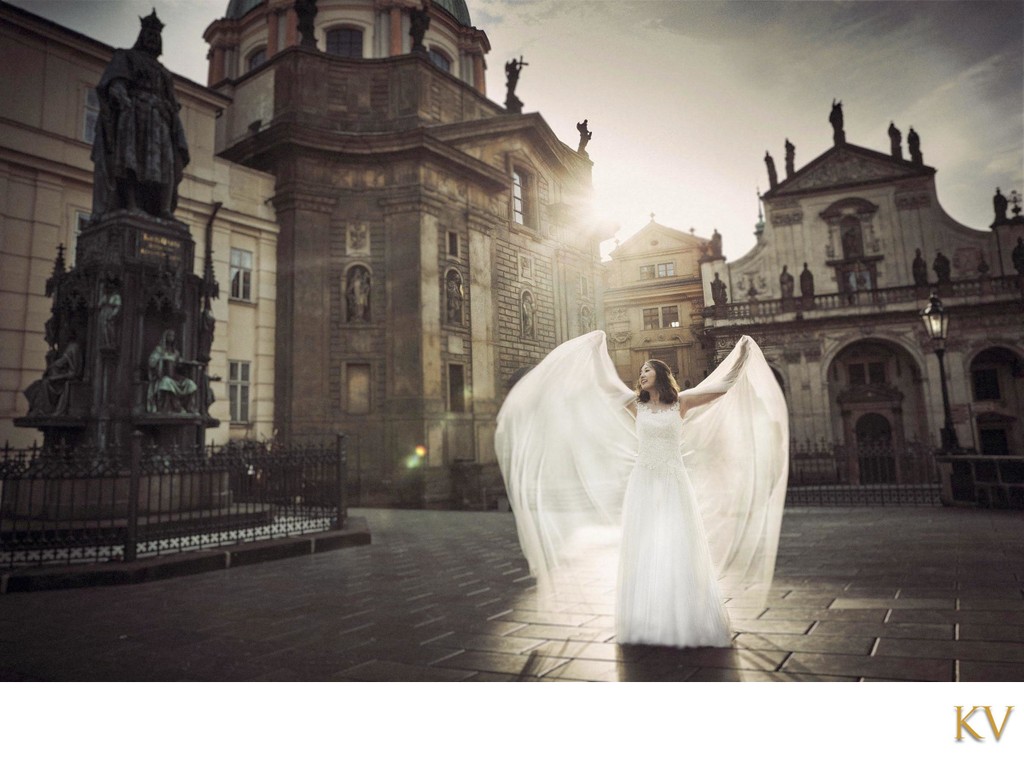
[
  {"x": 852, "y": 246},
  {"x": 431, "y": 241}
]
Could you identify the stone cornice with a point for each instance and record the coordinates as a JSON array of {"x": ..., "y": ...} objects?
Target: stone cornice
[{"x": 287, "y": 132}]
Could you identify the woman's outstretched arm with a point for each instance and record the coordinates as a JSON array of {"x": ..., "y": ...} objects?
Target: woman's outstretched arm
[{"x": 688, "y": 401}]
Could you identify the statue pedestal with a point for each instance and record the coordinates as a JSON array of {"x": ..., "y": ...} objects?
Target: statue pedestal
[{"x": 133, "y": 305}]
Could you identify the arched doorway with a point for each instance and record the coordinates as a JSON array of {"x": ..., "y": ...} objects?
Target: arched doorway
[{"x": 879, "y": 421}]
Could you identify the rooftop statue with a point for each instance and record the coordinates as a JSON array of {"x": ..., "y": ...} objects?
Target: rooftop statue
[
  {"x": 836, "y": 118},
  {"x": 895, "y": 141},
  {"x": 585, "y": 136},
  {"x": 773, "y": 178},
  {"x": 419, "y": 22}
]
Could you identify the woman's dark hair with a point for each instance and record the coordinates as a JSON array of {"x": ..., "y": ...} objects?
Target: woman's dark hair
[{"x": 664, "y": 383}]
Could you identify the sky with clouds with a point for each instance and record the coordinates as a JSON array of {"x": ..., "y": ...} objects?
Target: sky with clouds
[{"x": 685, "y": 96}]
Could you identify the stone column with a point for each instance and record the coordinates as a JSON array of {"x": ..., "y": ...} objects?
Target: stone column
[
  {"x": 273, "y": 23},
  {"x": 396, "y": 31},
  {"x": 483, "y": 323},
  {"x": 302, "y": 367}
]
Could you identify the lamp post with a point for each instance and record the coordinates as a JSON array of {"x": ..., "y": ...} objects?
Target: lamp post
[{"x": 936, "y": 322}]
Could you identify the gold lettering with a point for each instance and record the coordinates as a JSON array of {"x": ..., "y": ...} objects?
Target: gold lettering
[
  {"x": 961, "y": 724},
  {"x": 997, "y": 730}
]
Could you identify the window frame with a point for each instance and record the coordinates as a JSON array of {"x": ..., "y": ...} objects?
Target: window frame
[
  {"x": 651, "y": 318},
  {"x": 666, "y": 323},
  {"x": 90, "y": 109},
  {"x": 438, "y": 56},
  {"x": 351, "y": 28},
  {"x": 457, "y": 397},
  {"x": 524, "y": 192},
  {"x": 246, "y": 283},
  {"x": 239, "y": 392},
  {"x": 251, "y": 62}
]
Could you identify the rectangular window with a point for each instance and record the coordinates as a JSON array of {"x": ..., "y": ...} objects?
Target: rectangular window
[
  {"x": 357, "y": 389},
  {"x": 646, "y": 272},
  {"x": 876, "y": 372},
  {"x": 986, "y": 385},
  {"x": 666, "y": 269},
  {"x": 238, "y": 391},
  {"x": 518, "y": 199},
  {"x": 456, "y": 388},
  {"x": 345, "y": 42},
  {"x": 651, "y": 319},
  {"x": 92, "y": 114},
  {"x": 81, "y": 221},
  {"x": 583, "y": 285},
  {"x": 241, "y": 274},
  {"x": 669, "y": 316},
  {"x": 453, "y": 244},
  {"x": 858, "y": 375}
]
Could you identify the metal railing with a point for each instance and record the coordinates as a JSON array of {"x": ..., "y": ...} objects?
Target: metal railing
[
  {"x": 60, "y": 507},
  {"x": 822, "y": 473},
  {"x": 987, "y": 481}
]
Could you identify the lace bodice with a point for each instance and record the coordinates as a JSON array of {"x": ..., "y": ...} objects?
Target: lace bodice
[{"x": 658, "y": 435}]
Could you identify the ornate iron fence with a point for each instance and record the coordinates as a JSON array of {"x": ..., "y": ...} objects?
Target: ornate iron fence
[
  {"x": 60, "y": 507},
  {"x": 821, "y": 473}
]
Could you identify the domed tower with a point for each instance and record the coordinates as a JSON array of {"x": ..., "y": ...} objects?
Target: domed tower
[{"x": 254, "y": 31}]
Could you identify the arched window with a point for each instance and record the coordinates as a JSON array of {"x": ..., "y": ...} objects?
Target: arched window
[
  {"x": 256, "y": 58},
  {"x": 454, "y": 297},
  {"x": 357, "y": 295},
  {"x": 346, "y": 42},
  {"x": 441, "y": 59}
]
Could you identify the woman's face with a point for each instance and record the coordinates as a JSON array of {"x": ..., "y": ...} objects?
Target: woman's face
[{"x": 647, "y": 377}]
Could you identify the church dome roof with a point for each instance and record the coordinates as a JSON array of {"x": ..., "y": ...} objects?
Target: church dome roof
[
  {"x": 456, "y": 9},
  {"x": 238, "y": 8}
]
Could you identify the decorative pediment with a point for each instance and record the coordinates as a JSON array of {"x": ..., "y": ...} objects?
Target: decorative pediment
[
  {"x": 654, "y": 238},
  {"x": 847, "y": 166}
]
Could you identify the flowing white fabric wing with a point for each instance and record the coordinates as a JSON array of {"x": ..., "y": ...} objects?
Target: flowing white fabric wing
[
  {"x": 736, "y": 453},
  {"x": 566, "y": 444}
]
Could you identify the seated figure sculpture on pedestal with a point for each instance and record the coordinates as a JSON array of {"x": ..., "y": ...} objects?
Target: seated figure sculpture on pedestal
[
  {"x": 51, "y": 394},
  {"x": 169, "y": 391}
]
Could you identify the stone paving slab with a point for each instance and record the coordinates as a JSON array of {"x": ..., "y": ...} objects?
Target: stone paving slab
[{"x": 446, "y": 597}]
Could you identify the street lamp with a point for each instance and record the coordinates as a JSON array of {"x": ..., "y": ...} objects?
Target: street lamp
[{"x": 936, "y": 322}]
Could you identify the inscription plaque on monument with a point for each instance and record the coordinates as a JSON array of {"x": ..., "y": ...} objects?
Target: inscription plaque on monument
[{"x": 157, "y": 246}]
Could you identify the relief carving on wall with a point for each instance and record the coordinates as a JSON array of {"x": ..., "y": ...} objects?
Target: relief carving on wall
[
  {"x": 357, "y": 239},
  {"x": 787, "y": 217}
]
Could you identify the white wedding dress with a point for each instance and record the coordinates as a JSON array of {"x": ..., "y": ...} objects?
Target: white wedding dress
[
  {"x": 692, "y": 505},
  {"x": 667, "y": 591}
]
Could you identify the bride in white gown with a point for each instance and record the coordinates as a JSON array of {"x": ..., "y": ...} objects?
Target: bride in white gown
[{"x": 691, "y": 486}]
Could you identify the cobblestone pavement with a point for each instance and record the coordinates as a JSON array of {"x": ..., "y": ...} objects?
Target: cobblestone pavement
[{"x": 913, "y": 594}]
